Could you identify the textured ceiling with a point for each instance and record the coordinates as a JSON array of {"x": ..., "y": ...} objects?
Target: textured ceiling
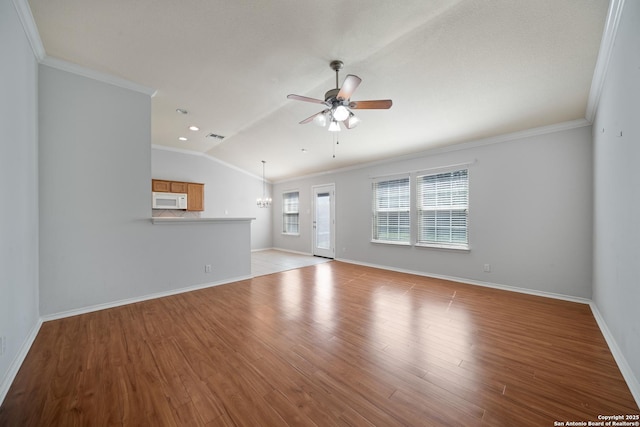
[{"x": 455, "y": 70}]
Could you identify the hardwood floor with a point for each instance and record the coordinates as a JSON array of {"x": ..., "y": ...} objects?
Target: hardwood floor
[{"x": 330, "y": 345}]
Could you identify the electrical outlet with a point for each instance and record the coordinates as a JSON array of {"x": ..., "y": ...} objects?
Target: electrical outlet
[
  {"x": 207, "y": 268},
  {"x": 487, "y": 268},
  {"x": 3, "y": 345}
]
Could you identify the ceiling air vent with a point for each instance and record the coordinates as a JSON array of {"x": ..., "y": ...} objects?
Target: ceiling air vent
[{"x": 213, "y": 135}]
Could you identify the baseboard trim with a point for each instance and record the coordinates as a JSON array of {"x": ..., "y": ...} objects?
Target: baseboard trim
[
  {"x": 98, "y": 307},
  {"x": 621, "y": 361},
  {"x": 623, "y": 365},
  {"x": 293, "y": 252},
  {"x": 18, "y": 360},
  {"x": 474, "y": 282}
]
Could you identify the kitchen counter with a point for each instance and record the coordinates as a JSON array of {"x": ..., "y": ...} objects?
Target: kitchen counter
[{"x": 163, "y": 220}]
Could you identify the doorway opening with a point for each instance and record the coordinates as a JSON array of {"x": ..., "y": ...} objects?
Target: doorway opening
[{"x": 324, "y": 224}]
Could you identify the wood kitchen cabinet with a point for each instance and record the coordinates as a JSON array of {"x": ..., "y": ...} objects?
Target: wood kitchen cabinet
[
  {"x": 178, "y": 187},
  {"x": 160, "y": 186},
  {"x": 195, "y": 197},
  {"x": 194, "y": 191}
]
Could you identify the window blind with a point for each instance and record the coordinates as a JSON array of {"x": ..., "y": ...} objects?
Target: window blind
[
  {"x": 391, "y": 210},
  {"x": 442, "y": 205},
  {"x": 290, "y": 214}
]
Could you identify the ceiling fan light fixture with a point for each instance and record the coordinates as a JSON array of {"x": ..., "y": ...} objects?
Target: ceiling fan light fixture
[
  {"x": 341, "y": 113},
  {"x": 339, "y": 104},
  {"x": 352, "y": 121},
  {"x": 320, "y": 120}
]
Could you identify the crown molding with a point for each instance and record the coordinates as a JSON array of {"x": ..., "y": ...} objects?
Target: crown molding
[
  {"x": 30, "y": 29},
  {"x": 209, "y": 157},
  {"x": 604, "y": 57},
  {"x": 96, "y": 75},
  {"x": 507, "y": 137},
  {"x": 177, "y": 150},
  {"x": 558, "y": 127}
]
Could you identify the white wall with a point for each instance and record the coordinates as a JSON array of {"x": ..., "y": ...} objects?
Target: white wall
[
  {"x": 18, "y": 193},
  {"x": 97, "y": 243},
  {"x": 228, "y": 192},
  {"x": 530, "y": 214},
  {"x": 616, "y": 285}
]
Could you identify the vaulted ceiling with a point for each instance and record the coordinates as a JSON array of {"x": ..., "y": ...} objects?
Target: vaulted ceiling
[{"x": 456, "y": 70}]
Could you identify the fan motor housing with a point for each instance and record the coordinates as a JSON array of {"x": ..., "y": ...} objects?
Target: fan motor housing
[{"x": 331, "y": 94}]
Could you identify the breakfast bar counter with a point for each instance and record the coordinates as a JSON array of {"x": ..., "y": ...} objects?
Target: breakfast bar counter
[{"x": 164, "y": 220}]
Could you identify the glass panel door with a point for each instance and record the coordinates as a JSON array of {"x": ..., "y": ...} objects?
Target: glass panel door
[{"x": 323, "y": 221}]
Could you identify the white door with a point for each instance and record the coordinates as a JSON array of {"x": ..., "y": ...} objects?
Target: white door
[{"x": 324, "y": 227}]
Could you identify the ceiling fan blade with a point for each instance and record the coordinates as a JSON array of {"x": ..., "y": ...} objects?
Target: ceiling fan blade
[
  {"x": 350, "y": 84},
  {"x": 310, "y": 119},
  {"x": 380, "y": 104},
  {"x": 306, "y": 99}
]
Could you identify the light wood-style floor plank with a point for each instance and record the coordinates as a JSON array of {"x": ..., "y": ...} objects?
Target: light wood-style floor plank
[{"x": 332, "y": 344}]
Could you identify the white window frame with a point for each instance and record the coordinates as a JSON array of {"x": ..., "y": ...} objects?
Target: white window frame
[
  {"x": 401, "y": 207},
  {"x": 289, "y": 212},
  {"x": 448, "y": 200}
]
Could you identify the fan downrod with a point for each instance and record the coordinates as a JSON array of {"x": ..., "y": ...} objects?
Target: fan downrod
[{"x": 336, "y": 65}]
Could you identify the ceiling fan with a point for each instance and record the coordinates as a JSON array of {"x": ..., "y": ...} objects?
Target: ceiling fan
[{"x": 339, "y": 104}]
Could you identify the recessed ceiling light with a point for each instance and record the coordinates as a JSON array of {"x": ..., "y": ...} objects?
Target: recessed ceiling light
[
  {"x": 194, "y": 128},
  {"x": 304, "y": 150},
  {"x": 182, "y": 111},
  {"x": 182, "y": 138}
]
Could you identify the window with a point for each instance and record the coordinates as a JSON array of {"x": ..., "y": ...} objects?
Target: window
[
  {"x": 442, "y": 205},
  {"x": 391, "y": 211},
  {"x": 290, "y": 216}
]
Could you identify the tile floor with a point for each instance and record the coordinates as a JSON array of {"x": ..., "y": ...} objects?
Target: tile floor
[{"x": 273, "y": 261}]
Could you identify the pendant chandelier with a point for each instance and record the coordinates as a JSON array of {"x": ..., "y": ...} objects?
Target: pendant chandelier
[{"x": 264, "y": 201}]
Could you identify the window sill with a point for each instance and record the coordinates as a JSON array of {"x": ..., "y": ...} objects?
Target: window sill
[
  {"x": 464, "y": 248},
  {"x": 291, "y": 234},
  {"x": 390, "y": 242}
]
